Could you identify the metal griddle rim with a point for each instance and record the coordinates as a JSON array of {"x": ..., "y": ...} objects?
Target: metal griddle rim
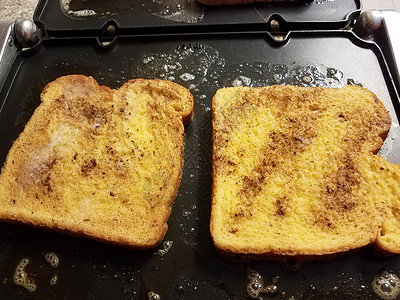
[{"x": 72, "y": 27}]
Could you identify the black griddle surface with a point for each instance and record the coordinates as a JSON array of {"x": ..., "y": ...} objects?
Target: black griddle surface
[
  {"x": 191, "y": 269},
  {"x": 140, "y": 15}
]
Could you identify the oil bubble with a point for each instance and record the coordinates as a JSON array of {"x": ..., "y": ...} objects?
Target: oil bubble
[
  {"x": 153, "y": 296},
  {"x": 166, "y": 247},
  {"x": 187, "y": 77},
  {"x": 52, "y": 259},
  {"x": 307, "y": 79},
  {"x": 180, "y": 288},
  {"x": 241, "y": 81},
  {"x": 21, "y": 276},
  {"x": 177, "y": 10},
  {"x": 333, "y": 73},
  {"x": 148, "y": 59},
  {"x": 84, "y": 13},
  {"x": 277, "y": 77},
  {"x": 275, "y": 280},
  {"x": 253, "y": 293},
  {"x": 192, "y": 87},
  {"x": 252, "y": 274},
  {"x": 386, "y": 285},
  {"x": 259, "y": 74},
  {"x": 272, "y": 288},
  {"x": 53, "y": 280},
  {"x": 188, "y": 64},
  {"x": 323, "y": 1},
  {"x": 255, "y": 285},
  {"x": 186, "y": 213},
  {"x": 351, "y": 81}
]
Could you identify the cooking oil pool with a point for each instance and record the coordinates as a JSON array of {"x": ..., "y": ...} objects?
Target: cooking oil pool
[
  {"x": 189, "y": 65},
  {"x": 183, "y": 11},
  {"x": 259, "y": 74}
]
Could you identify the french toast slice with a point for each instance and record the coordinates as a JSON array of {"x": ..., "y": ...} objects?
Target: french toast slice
[
  {"x": 97, "y": 162},
  {"x": 295, "y": 172}
]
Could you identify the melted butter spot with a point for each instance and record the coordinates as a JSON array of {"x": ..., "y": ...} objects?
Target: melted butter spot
[{"x": 42, "y": 160}]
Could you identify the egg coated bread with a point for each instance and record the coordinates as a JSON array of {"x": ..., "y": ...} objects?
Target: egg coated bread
[
  {"x": 98, "y": 162},
  {"x": 295, "y": 172}
]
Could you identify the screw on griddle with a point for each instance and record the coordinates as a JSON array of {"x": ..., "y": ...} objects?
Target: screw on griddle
[
  {"x": 274, "y": 25},
  {"x": 111, "y": 30}
]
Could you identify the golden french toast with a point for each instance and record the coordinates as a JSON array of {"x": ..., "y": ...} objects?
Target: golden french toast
[
  {"x": 97, "y": 162},
  {"x": 295, "y": 172}
]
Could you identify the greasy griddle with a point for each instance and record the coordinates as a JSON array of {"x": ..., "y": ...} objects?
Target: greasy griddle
[
  {"x": 191, "y": 269},
  {"x": 140, "y": 15}
]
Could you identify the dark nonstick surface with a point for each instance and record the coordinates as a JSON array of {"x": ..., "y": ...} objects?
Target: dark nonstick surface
[
  {"x": 191, "y": 269},
  {"x": 139, "y": 14}
]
